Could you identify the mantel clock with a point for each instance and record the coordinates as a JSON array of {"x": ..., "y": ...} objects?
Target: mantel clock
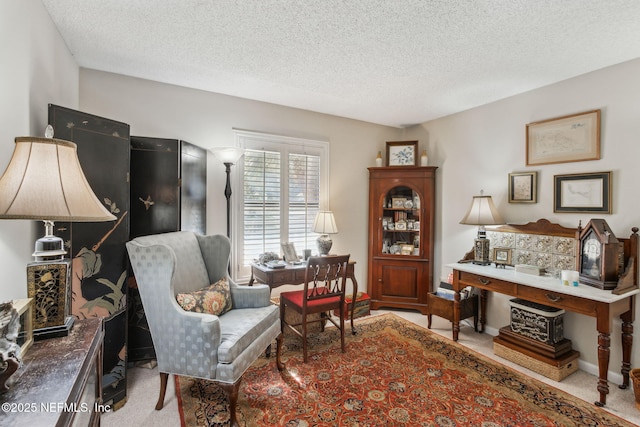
[{"x": 601, "y": 255}]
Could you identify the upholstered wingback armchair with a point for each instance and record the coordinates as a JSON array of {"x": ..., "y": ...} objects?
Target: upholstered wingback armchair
[{"x": 200, "y": 345}]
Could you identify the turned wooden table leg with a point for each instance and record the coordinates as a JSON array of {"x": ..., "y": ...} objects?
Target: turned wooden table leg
[
  {"x": 627, "y": 342},
  {"x": 456, "y": 315},
  {"x": 604, "y": 343},
  {"x": 483, "y": 309}
]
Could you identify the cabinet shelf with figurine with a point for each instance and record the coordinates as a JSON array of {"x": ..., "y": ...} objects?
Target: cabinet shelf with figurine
[{"x": 401, "y": 225}]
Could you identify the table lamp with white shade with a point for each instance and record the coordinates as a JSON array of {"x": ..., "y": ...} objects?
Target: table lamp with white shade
[
  {"x": 482, "y": 212},
  {"x": 324, "y": 224},
  {"x": 44, "y": 181}
]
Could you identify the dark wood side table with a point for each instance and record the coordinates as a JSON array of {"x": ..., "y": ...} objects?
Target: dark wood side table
[
  {"x": 60, "y": 382},
  {"x": 294, "y": 275}
]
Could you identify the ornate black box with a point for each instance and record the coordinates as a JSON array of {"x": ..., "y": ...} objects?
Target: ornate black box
[{"x": 537, "y": 321}]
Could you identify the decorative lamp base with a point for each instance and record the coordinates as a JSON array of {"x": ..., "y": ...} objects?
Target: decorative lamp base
[
  {"x": 324, "y": 244},
  {"x": 481, "y": 251},
  {"x": 48, "y": 284}
]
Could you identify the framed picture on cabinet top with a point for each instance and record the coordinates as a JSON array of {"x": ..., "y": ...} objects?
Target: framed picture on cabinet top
[
  {"x": 402, "y": 153},
  {"x": 590, "y": 192},
  {"x": 523, "y": 187},
  {"x": 572, "y": 138}
]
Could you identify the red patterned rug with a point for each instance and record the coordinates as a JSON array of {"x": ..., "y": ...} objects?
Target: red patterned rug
[{"x": 394, "y": 373}]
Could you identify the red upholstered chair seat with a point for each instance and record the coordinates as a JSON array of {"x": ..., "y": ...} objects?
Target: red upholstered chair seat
[{"x": 296, "y": 299}]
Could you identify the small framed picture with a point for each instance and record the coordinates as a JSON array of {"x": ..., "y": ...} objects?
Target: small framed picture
[
  {"x": 502, "y": 256},
  {"x": 289, "y": 252},
  {"x": 590, "y": 192},
  {"x": 398, "y": 202},
  {"x": 406, "y": 250},
  {"x": 402, "y": 153},
  {"x": 523, "y": 187}
]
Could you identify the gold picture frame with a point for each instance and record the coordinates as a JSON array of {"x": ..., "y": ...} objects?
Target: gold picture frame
[
  {"x": 502, "y": 256},
  {"x": 406, "y": 249},
  {"x": 572, "y": 138},
  {"x": 523, "y": 187},
  {"x": 398, "y": 202}
]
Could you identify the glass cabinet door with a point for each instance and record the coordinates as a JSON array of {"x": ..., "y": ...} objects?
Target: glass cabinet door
[{"x": 401, "y": 222}]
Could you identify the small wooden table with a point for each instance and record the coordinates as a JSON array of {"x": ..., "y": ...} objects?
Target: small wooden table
[
  {"x": 294, "y": 275},
  {"x": 583, "y": 299}
]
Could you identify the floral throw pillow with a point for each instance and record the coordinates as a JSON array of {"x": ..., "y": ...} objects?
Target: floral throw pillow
[{"x": 214, "y": 299}]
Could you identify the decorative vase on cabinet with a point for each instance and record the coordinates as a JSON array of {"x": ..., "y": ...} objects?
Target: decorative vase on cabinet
[{"x": 401, "y": 226}]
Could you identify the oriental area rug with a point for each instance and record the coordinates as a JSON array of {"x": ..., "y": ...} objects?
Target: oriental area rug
[{"x": 394, "y": 373}]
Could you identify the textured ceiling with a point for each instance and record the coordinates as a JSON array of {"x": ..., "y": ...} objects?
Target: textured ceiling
[{"x": 393, "y": 62}]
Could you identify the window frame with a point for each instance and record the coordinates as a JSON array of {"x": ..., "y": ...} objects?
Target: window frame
[{"x": 285, "y": 145}]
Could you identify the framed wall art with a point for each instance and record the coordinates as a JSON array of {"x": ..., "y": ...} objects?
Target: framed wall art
[
  {"x": 590, "y": 192},
  {"x": 572, "y": 138},
  {"x": 402, "y": 153},
  {"x": 523, "y": 187}
]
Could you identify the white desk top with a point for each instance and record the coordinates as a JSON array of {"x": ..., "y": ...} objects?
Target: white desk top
[{"x": 542, "y": 282}]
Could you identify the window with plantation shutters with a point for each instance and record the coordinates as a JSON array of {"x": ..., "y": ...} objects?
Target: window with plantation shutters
[
  {"x": 304, "y": 199},
  {"x": 283, "y": 185}
]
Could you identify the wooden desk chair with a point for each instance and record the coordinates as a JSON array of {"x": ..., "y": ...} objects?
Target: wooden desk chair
[{"x": 324, "y": 288}]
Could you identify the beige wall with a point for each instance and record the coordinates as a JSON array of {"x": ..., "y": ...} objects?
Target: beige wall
[
  {"x": 476, "y": 150},
  {"x": 36, "y": 69},
  {"x": 207, "y": 119}
]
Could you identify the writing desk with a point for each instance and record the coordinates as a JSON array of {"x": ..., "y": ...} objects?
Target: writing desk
[
  {"x": 582, "y": 299},
  {"x": 294, "y": 275}
]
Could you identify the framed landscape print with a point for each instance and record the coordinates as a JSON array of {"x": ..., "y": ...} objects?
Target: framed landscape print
[
  {"x": 523, "y": 187},
  {"x": 402, "y": 153},
  {"x": 590, "y": 192},
  {"x": 572, "y": 138}
]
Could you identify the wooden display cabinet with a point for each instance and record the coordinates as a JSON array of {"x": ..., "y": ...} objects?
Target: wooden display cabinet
[{"x": 401, "y": 226}]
